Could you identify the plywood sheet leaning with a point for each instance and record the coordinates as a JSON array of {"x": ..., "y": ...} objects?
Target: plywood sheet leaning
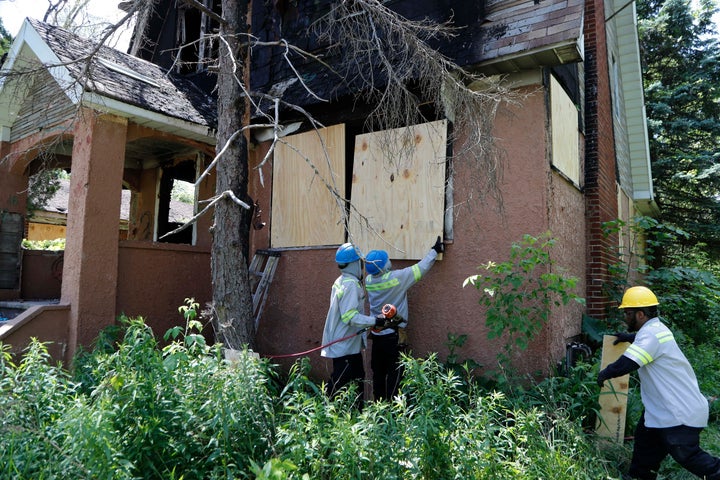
[
  {"x": 304, "y": 210},
  {"x": 398, "y": 189},
  {"x": 613, "y": 394}
]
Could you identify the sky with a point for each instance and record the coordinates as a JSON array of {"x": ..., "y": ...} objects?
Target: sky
[{"x": 13, "y": 12}]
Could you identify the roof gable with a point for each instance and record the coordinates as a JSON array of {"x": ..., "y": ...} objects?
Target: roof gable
[{"x": 107, "y": 80}]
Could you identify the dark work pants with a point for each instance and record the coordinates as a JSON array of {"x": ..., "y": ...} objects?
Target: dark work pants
[
  {"x": 682, "y": 443},
  {"x": 385, "y": 363},
  {"x": 345, "y": 370}
]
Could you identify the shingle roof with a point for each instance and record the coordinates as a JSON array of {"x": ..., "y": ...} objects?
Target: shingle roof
[{"x": 128, "y": 79}]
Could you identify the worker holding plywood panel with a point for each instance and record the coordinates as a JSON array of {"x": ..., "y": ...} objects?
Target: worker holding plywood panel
[{"x": 675, "y": 409}]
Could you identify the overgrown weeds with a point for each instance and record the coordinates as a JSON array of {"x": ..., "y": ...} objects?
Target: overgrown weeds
[{"x": 135, "y": 410}]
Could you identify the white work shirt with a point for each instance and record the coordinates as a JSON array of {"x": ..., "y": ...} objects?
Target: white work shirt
[
  {"x": 344, "y": 318},
  {"x": 391, "y": 287},
  {"x": 668, "y": 385}
]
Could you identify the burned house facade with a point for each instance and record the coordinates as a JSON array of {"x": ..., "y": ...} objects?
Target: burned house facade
[{"x": 569, "y": 145}]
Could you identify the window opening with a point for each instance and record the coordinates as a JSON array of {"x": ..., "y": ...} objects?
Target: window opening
[
  {"x": 195, "y": 28},
  {"x": 176, "y": 199}
]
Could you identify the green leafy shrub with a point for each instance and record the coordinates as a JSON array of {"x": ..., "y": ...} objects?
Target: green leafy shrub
[
  {"x": 135, "y": 410},
  {"x": 518, "y": 294},
  {"x": 34, "y": 396}
]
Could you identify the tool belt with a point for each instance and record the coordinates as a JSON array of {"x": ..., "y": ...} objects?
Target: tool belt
[{"x": 401, "y": 332}]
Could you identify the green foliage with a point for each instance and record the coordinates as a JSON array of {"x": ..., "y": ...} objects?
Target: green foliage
[
  {"x": 439, "y": 427},
  {"x": 140, "y": 411},
  {"x": 681, "y": 73},
  {"x": 5, "y": 39},
  {"x": 464, "y": 367},
  {"x": 706, "y": 363},
  {"x": 518, "y": 294},
  {"x": 686, "y": 293},
  {"x": 183, "y": 192},
  {"x": 53, "y": 245},
  {"x": 689, "y": 301},
  {"x": 42, "y": 186}
]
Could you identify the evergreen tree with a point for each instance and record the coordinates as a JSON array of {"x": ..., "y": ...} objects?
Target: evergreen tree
[
  {"x": 5, "y": 40},
  {"x": 682, "y": 82}
]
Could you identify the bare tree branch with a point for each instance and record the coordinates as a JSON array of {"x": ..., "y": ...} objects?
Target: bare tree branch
[{"x": 226, "y": 194}]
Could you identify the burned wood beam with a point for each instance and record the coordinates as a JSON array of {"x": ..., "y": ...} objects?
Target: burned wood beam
[{"x": 205, "y": 10}]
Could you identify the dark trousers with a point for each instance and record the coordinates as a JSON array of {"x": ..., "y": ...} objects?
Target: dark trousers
[
  {"x": 682, "y": 443},
  {"x": 347, "y": 369},
  {"x": 385, "y": 363}
]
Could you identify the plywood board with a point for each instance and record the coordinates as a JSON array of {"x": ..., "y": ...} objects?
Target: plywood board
[
  {"x": 613, "y": 394},
  {"x": 398, "y": 189},
  {"x": 304, "y": 211},
  {"x": 565, "y": 136}
]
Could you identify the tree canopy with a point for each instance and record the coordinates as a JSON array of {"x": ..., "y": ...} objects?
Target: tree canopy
[
  {"x": 5, "y": 39},
  {"x": 681, "y": 72}
]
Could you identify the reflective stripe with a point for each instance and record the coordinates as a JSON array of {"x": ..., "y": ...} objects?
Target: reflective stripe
[
  {"x": 641, "y": 354},
  {"x": 348, "y": 315},
  {"x": 416, "y": 272},
  {"x": 665, "y": 337},
  {"x": 382, "y": 285},
  {"x": 339, "y": 287},
  {"x": 338, "y": 290}
]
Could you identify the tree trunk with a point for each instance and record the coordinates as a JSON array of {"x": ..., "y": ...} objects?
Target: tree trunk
[{"x": 233, "y": 319}]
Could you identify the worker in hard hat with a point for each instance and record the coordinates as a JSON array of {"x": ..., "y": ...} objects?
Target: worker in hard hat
[
  {"x": 387, "y": 286},
  {"x": 675, "y": 410},
  {"x": 345, "y": 319}
]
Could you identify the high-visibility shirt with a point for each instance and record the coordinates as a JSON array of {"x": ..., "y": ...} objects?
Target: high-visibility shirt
[
  {"x": 391, "y": 287},
  {"x": 668, "y": 385},
  {"x": 344, "y": 317}
]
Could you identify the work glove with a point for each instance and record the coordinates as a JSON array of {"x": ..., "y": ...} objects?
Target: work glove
[
  {"x": 624, "y": 337},
  {"x": 380, "y": 321},
  {"x": 439, "y": 247},
  {"x": 393, "y": 322},
  {"x": 601, "y": 378}
]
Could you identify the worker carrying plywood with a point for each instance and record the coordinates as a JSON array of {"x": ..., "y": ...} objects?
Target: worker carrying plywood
[{"x": 675, "y": 412}]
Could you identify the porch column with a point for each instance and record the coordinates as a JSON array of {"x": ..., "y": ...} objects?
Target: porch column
[{"x": 90, "y": 268}]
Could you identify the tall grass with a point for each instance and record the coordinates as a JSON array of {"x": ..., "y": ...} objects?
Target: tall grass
[{"x": 134, "y": 410}]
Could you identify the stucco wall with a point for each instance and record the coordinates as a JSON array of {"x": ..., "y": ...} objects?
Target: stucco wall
[
  {"x": 47, "y": 323},
  {"x": 41, "y": 274},
  {"x": 154, "y": 280}
]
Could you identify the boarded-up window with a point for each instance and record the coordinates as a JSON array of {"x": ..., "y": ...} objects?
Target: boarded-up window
[
  {"x": 398, "y": 189},
  {"x": 304, "y": 210},
  {"x": 11, "y": 234},
  {"x": 565, "y": 136}
]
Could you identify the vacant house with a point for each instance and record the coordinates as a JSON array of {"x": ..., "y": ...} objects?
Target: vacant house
[{"x": 573, "y": 148}]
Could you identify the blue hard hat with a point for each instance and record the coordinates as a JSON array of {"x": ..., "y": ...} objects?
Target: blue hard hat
[
  {"x": 375, "y": 261},
  {"x": 346, "y": 253}
]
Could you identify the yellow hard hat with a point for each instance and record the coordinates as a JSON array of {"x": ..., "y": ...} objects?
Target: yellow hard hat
[{"x": 638, "y": 297}]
